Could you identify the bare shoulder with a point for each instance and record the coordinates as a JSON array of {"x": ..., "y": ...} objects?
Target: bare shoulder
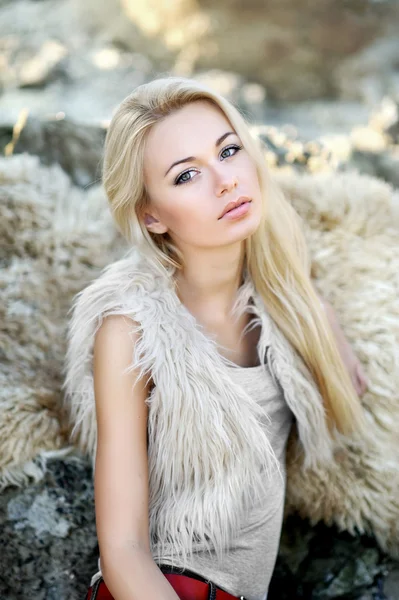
[
  {"x": 112, "y": 355},
  {"x": 121, "y": 469},
  {"x": 116, "y": 328}
]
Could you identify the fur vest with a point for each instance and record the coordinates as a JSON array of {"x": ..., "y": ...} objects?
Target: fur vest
[{"x": 208, "y": 449}]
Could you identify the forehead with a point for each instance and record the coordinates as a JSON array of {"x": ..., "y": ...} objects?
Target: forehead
[{"x": 186, "y": 132}]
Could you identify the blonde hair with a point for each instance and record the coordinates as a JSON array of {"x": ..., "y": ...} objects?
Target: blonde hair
[{"x": 275, "y": 254}]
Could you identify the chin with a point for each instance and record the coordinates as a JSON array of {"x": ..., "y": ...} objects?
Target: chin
[{"x": 241, "y": 230}]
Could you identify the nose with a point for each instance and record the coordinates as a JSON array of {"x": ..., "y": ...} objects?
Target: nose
[{"x": 225, "y": 182}]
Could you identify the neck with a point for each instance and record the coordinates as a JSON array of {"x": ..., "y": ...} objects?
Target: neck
[{"x": 210, "y": 279}]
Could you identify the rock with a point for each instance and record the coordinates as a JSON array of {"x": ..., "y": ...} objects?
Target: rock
[
  {"x": 42, "y": 515},
  {"x": 50, "y": 64},
  {"x": 320, "y": 563},
  {"x": 292, "y": 48},
  {"x": 295, "y": 51},
  {"x": 76, "y": 148},
  {"x": 391, "y": 585},
  {"x": 313, "y": 119},
  {"x": 372, "y": 73},
  {"x": 383, "y": 165},
  {"x": 47, "y": 532},
  {"x": 40, "y": 67},
  {"x": 249, "y": 97}
]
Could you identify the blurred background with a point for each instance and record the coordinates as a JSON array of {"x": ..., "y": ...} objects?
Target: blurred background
[
  {"x": 319, "y": 82},
  {"x": 319, "y": 70}
]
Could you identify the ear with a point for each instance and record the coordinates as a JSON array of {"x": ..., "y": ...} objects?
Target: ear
[{"x": 153, "y": 224}]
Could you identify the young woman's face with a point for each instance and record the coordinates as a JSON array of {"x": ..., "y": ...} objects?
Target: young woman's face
[{"x": 213, "y": 170}]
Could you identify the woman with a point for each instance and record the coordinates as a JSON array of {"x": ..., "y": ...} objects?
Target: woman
[{"x": 190, "y": 359}]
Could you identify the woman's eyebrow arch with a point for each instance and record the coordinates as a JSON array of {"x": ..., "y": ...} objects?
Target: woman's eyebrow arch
[{"x": 190, "y": 158}]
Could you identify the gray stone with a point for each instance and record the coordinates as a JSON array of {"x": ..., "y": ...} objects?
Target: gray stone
[
  {"x": 384, "y": 165},
  {"x": 77, "y": 148},
  {"x": 82, "y": 58},
  {"x": 43, "y": 515},
  {"x": 293, "y": 48},
  {"x": 320, "y": 563},
  {"x": 391, "y": 586},
  {"x": 56, "y": 562},
  {"x": 47, "y": 535}
]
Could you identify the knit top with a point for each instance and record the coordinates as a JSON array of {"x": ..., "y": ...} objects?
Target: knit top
[{"x": 248, "y": 566}]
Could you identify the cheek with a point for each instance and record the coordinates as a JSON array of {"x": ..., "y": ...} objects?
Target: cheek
[
  {"x": 181, "y": 215},
  {"x": 185, "y": 207},
  {"x": 190, "y": 218},
  {"x": 249, "y": 173}
]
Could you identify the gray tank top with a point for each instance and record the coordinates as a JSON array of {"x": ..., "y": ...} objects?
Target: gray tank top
[{"x": 249, "y": 564}]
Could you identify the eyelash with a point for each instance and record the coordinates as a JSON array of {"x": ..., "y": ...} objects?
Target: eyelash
[{"x": 178, "y": 178}]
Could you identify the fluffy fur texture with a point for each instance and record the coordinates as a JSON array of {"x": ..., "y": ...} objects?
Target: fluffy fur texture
[
  {"x": 200, "y": 421},
  {"x": 57, "y": 239},
  {"x": 50, "y": 236},
  {"x": 352, "y": 229}
]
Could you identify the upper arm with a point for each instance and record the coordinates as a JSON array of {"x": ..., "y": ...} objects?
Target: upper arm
[{"x": 121, "y": 466}]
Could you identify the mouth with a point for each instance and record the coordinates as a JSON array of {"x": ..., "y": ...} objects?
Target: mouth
[{"x": 233, "y": 207}]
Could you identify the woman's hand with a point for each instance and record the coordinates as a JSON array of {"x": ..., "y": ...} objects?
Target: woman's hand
[{"x": 348, "y": 356}]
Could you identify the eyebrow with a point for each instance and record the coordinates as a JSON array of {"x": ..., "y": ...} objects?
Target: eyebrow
[{"x": 190, "y": 158}]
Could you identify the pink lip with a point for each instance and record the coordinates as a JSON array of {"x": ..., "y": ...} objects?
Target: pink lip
[{"x": 239, "y": 211}]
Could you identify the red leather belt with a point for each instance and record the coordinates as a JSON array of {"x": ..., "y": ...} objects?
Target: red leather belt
[{"x": 187, "y": 588}]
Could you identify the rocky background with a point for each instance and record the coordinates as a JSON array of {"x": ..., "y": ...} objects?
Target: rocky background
[{"x": 319, "y": 81}]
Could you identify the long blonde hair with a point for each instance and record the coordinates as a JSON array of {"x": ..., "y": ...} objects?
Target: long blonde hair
[{"x": 275, "y": 255}]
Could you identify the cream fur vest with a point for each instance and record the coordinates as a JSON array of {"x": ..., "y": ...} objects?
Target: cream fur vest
[{"x": 209, "y": 455}]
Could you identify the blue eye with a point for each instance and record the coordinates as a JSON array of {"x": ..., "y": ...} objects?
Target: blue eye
[
  {"x": 184, "y": 178},
  {"x": 232, "y": 147}
]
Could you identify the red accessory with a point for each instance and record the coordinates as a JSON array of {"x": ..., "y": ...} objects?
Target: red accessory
[{"x": 186, "y": 587}]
